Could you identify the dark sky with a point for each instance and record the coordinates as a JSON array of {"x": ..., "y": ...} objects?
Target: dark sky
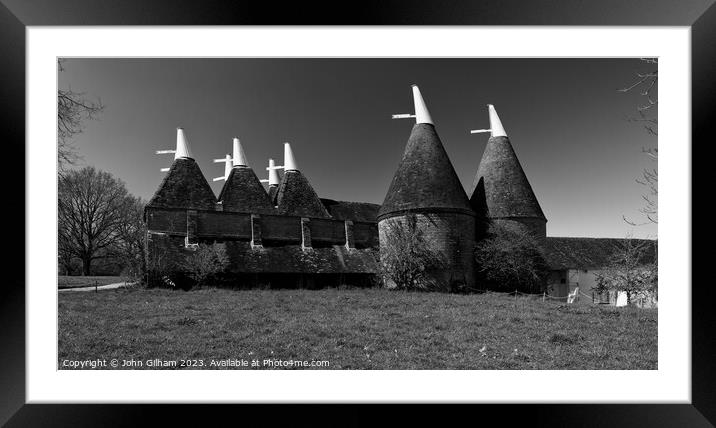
[{"x": 564, "y": 117}]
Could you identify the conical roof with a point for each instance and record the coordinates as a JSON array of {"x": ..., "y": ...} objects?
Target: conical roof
[
  {"x": 425, "y": 178},
  {"x": 184, "y": 186},
  {"x": 244, "y": 193},
  {"x": 295, "y": 196},
  {"x": 501, "y": 187}
]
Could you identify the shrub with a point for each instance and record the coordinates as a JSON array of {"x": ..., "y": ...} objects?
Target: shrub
[
  {"x": 629, "y": 272},
  {"x": 206, "y": 262},
  {"x": 511, "y": 259}
]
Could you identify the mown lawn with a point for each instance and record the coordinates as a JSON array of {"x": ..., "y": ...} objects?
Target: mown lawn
[
  {"x": 86, "y": 281},
  {"x": 355, "y": 329}
]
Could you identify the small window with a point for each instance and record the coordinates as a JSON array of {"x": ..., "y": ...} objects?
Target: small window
[{"x": 563, "y": 281}]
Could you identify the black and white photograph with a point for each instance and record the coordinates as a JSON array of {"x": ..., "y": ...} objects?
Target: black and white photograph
[
  {"x": 230, "y": 205},
  {"x": 357, "y": 213}
]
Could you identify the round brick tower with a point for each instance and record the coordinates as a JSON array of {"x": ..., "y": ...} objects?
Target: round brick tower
[
  {"x": 501, "y": 192},
  {"x": 426, "y": 189}
]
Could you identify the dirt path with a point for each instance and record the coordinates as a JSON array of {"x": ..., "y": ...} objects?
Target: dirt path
[{"x": 101, "y": 287}]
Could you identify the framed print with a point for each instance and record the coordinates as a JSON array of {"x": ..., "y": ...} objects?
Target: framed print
[{"x": 219, "y": 203}]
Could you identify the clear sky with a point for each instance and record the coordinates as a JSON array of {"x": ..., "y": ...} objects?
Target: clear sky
[{"x": 565, "y": 118}]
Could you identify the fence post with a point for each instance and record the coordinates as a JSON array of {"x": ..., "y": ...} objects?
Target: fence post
[
  {"x": 515, "y": 294},
  {"x": 543, "y": 294},
  {"x": 95, "y": 286}
]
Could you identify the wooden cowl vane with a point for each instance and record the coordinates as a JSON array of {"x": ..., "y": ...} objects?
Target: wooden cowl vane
[
  {"x": 184, "y": 186},
  {"x": 273, "y": 181},
  {"x": 294, "y": 195},
  {"x": 243, "y": 191},
  {"x": 501, "y": 191}
]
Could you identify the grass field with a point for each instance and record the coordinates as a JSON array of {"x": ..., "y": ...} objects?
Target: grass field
[
  {"x": 87, "y": 281},
  {"x": 355, "y": 329}
]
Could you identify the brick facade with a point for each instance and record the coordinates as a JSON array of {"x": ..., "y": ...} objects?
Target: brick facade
[{"x": 450, "y": 234}]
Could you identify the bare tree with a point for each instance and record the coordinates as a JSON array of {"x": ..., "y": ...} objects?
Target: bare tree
[
  {"x": 646, "y": 84},
  {"x": 511, "y": 259},
  {"x": 406, "y": 257},
  {"x": 130, "y": 246},
  {"x": 73, "y": 108},
  {"x": 92, "y": 212},
  {"x": 629, "y": 270}
]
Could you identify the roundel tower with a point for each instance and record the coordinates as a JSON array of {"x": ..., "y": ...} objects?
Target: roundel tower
[{"x": 426, "y": 194}]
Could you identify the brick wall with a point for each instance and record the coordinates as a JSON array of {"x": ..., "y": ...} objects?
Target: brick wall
[{"x": 452, "y": 234}]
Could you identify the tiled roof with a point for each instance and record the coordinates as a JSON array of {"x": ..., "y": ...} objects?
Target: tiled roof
[
  {"x": 589, "y": 253},
  {"x": 501, "y": 186},
  {"x": 244, "y": 193},
  {"x": 292, "y": 259},
  {"x": 354, "y": 211},
  {"x": 425, "y": 177},
  {"x": 184, "y": 186},
  {"x": 295, "y": 196}
]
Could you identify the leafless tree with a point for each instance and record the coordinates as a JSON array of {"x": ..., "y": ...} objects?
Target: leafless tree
[
  {"x": 406, "y": 257},
  {"x": 646, "y": 83},
  {"x": 93, "y": 208},
  {"x": 629, "y": 270},
  {"x": 73, "y": 108},
  {"x": 130, "y": 246}
]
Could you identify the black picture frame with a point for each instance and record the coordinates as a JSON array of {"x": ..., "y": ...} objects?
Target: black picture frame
[{"x": 16, "y": 15}]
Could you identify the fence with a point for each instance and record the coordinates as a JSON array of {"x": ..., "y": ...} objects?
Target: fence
[{"x": 544, "y": 297}]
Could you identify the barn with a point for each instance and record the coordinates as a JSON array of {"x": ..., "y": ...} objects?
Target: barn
[
  {"x": 290, "y": 238},
  {"x": 575, "y": 262},
  {"x": 285, "y": 233}
]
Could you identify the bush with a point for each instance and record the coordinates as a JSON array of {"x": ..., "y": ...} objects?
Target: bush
[
  {"x": 511, "y": 259},
  {"x": 206, "y": 262},
  {"x": 629, "y": 272},
  {"x": 407, "y": 259}
]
